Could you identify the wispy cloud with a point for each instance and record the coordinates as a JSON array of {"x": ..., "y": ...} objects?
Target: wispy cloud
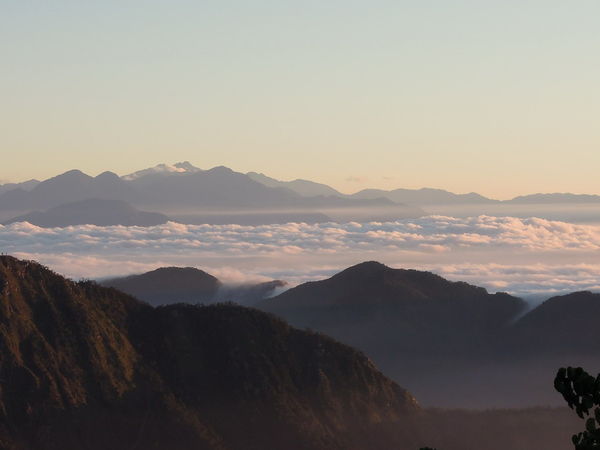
[{"x": 501, "y": 253}]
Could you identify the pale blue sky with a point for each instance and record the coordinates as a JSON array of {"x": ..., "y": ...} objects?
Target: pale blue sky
[{"x": 499, "y": 97}]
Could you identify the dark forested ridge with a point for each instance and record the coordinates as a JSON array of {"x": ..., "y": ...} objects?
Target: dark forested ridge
[{"x": 82, "y": 366}]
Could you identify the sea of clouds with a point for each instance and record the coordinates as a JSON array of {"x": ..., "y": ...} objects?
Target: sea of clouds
[{"x": 521, "y": 256}]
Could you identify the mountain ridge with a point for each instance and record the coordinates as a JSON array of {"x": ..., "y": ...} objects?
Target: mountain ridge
[
  {"x": 85, "y": 366},
  {"x": 214, "y": 195},
  {"x": 430, "y": 332},
  {"x": 221, "y": 195}
]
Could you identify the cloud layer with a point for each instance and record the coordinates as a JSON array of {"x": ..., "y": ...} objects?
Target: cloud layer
[{"x": 501, "y": 253}]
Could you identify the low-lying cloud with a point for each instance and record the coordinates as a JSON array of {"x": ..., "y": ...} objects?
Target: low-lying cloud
[{"x": 501, "y": 253}]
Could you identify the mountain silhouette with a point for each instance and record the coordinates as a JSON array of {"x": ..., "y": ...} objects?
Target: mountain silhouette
[
  {"x": 94, "y": 211},
  {"x": 221, "y": 187},
  {"x": 450, "y": 343},
  {"x": 25, "y": 186},
  {"x": 217, "y": 195},
  {"x": 419, "y": 197},
  {"x": 429, "y": 333},
  {"x": 83, "y": 366},
  {"x": 557, "y": 198},
  {"x": 305, "y": 188},
  {"x": 220, "y": 195},
  {"x": 168, "y": 285},
  {"x": 561, "y": 325},
  {"x": 425, "y": 196},
  {"x": 377, "y": 308},
  {"x": 69, "y": 187}
]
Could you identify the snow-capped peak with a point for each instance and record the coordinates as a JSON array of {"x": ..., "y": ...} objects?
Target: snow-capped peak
[{"x": 180, "y": 167}]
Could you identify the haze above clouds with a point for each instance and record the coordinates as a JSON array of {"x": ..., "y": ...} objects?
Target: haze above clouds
[{"x": 521, "y": 256}]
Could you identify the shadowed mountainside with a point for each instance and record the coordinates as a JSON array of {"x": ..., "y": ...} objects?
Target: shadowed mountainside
[
  {"x": 82, "y": 366},
  {"x": 383, "y": 309},
  {"x": 429, "y": 333},
  {"x": 561, "y": 325}
]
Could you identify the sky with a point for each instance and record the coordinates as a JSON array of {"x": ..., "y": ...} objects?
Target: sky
[{"x": 498, "y": 97}]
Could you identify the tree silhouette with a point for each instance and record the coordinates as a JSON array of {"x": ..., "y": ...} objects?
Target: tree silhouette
[{"x": 581, "y": 391}]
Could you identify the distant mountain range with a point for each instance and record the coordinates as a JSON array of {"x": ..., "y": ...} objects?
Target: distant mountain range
[
  {"x": 560, "y": 325},
  {"x": 192, "y": 195},
  {"x": 93, "y": 211},
  {"x": 88, "y": 367},
  {"x": 26, "y": 186},
  {"x": 219, "y": 195},
  {"x": 430, "y": 333},
  {"x": 564, "y": 198},
  {"x": 425, "y": 196},
  {"x": 303, "y": 187},
  {"x": 422, "y": 197},
  {"x": 168, "y": 285}
]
